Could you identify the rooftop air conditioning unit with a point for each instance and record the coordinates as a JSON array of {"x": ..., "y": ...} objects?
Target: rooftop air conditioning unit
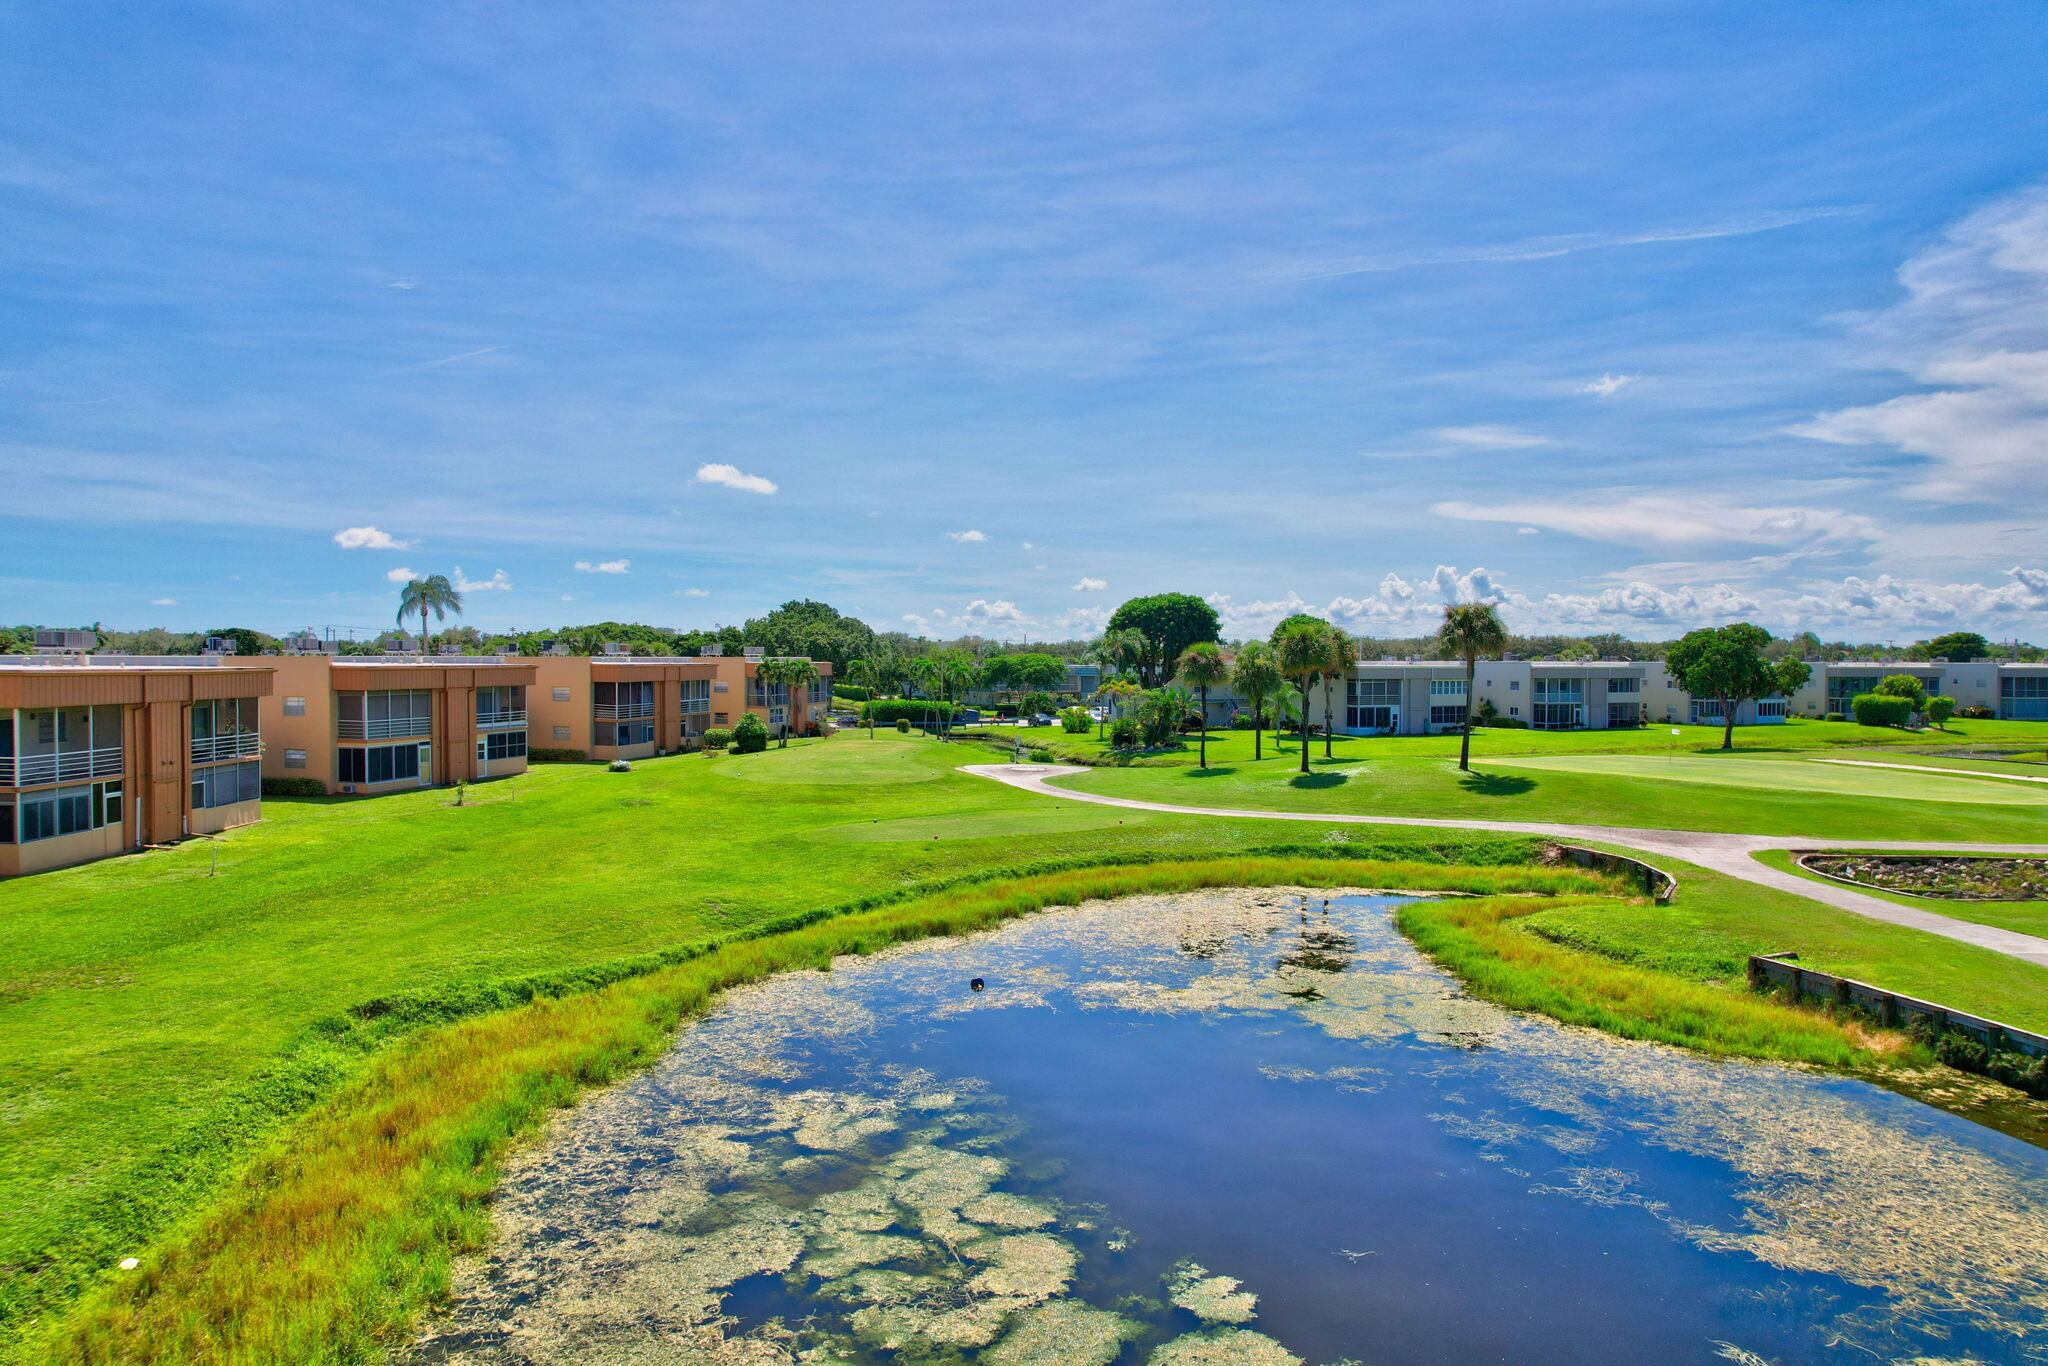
[
  {"x": 306, "y": 643},
  {"x": 710, "y": 651},
  {"x": 218, "y": 645},
  {"x": 446, "y": 648},
  {"x": 65, "y": 642},
  {"x": 405, "y": 645},
  {"x": 557, "y": 650},
  {"x": 612, "y": 647},
  {"x": 751, "y": 651}
]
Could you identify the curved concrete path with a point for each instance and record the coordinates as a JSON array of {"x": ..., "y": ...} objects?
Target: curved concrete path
[{"x": 1723, "y": 853}]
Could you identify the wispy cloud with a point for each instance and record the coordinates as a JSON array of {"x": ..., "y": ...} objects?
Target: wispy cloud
[
  {"x": 1667, "y": 520},
  {"x": 163, "y": 602},
  {"x": 603, "y": 566},
  {"x": 732, "y": 477},
  {"x": 1490, "y": 437},
  {"x": 465, "y": 584},
  {"x": 1607, "y": 386},
  {"x": 696, "y": 592},
  {"x": 967, "y": 536},
  {"x": 456, "y": 359},
  {"x": 368, "y": 538},
  {"x": 1545, "y": 248}
]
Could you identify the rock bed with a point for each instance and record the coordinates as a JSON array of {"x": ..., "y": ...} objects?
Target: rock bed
[{"x": 1948, "y": 879}]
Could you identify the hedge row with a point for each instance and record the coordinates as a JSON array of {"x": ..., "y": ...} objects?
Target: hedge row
[
  {"x": 556, "y": 756},
  {"x": 294, "y": 787},
  {"x": 889, "y": 710}
]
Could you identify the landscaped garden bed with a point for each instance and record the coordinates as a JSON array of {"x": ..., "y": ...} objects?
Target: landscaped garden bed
[{"x": 1949, "y": 877}]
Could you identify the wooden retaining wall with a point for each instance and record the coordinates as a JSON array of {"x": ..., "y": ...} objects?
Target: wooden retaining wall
[
  {"x": 1654, "y": 882},
  {"x": 1783, "y": 970}
]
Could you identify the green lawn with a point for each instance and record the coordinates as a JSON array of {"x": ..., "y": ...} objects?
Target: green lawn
[
  {"x": 2027, "y": 917},
  {"x": 1899, "y": 782}
]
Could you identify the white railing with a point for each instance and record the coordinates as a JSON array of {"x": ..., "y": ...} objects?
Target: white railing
[
  {"x": 400, "y": 728},
  {"x": 622, "y": 711},
  {"x": 498, "y": 720},
  {"x": 70, "y": 766},
  {"x": 696, "y": 706},
  {"x": 245, "y": 745}
]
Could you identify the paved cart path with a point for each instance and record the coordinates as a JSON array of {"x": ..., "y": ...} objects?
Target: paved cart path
[
  {"x": 1723, "y": 853},
  {"x": 1930, "y": 768}
]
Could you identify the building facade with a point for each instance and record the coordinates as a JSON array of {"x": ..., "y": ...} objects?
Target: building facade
[
  {"x": 101, "y": 754},
  {"x": 620, "y": 706},
  {"x": 361, "y": 724}
]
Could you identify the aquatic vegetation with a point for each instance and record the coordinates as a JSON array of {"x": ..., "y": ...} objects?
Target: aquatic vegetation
[
  {"x": 1224, "y": 1347},
  {"x": 1212, "y": 1299}
]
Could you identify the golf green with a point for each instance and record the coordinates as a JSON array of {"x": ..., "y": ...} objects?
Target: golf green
[{"x": 1792, "y": 774}]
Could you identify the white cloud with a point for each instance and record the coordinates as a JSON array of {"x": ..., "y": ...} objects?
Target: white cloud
[
  {"x": 163, "y": 602},
  {"x": 1528, "y": 531},
  {"x": 465, "y": 584},
  {"x": 1974, "y": 322},
  {"x": 1489, "y": 437},
  {"x": 1091, "y": 585},
  {"x": 1669, "y": 521},
  {"x": 368, "y": 538},
  {"x": 696, "y": 592},
  {"x": 1027, "y": 545},
  {"x": 603, "y": 566},
  {"x": 1607, "y": 386},
  {"x": 966, "y": 536},
  {"x": 567, "y": 598},
  {"x": 401, "y": 575},
  {"x": 730, "y": 476}
]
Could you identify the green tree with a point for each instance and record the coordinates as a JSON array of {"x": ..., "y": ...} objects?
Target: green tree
[
  {"x": 1301, "y": 652},
  {"x": 1037, "y": 704},
  {"x": 1939, "y": 708},
  {"x": 1790, "y": 673},
  {"x": 1470, "y": 630},
  {"x": 1725, "y": 663},
  {"x": 1957, "y": 646},
  {"x": 814, "y": 630},
  {"x": 1255, "y": 678},
  {"x": 875, "y": 675},
  {"x": 1202, "y": 667},
  {"x": 795, "y": 675},
  {"x": 1903, "y": 685},
  {"x": 1340, "y": 656},
  {"x": 432, "y": 594},
  {"x": 247, "y": 642},
  {"x": 1170, "y": 623},
  {"x": 749, "y": 734}
]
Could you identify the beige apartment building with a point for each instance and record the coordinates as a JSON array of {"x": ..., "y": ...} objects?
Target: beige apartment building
[
  {"x": 101, "y": 754},
  {"x": 621, "y": 706},
  {"x": 361, "y": 724}
]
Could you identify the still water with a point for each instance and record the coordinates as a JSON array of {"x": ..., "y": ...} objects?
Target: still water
[{"x": 1238, "y": 1128}]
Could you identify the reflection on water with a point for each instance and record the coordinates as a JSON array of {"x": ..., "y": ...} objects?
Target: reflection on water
[{"x": 1238, "y": 1128}]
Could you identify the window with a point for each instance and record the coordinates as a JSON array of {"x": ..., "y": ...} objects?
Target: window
[
  {"x": 2024, "y": 697},
  {"x": 295, "y": 758},
  {"x": 1843, "y": 688},
  {"x": 560, "y": 694},
  {"x": 384, "y": 715},
  {"x": 1446, "y": 687},
  {"x": 62, "y": 811},
  {"x": 1514, "y": 711},
  {"x": 623, "y": 733},
  {"x": 1615, "y": 685},
  {"x": 696, "y": 696},
  {"x": 503, "y": 744},
  {"x": 624, "y": 701},
  {"x": 561, "y": 732},
  {"x": 1372, "y": 703},
  {"x": 1624, "y": 714},
  {"x": 295, "y": 706},
  {"x": 1450, "y": 714},
  {"x": 1514, "y": 685},
  {"x": 379, "y": 763},
  {"x": 720, "y": 685},
  {"x": 225, "y": 784},
  {"x": 1772, "y": 707},
  {"x": 223, "y": 716},
  {"x": 720, "y": 718}
]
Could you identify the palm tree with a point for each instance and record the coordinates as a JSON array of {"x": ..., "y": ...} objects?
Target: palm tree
[
  {"x": 1471, "y": 629},
  {"x": 431, "y": 594},
  {"x": 1202, "y": 667},
  {"x": 924, "y": 671},
  {"x": 1340, "y": 655},
  {"x": 1301, "y": 653},
  {"x": 872, "y": 674},
  {"x": 792, "y": 674},
  {"x": 1256, "y": 679}
]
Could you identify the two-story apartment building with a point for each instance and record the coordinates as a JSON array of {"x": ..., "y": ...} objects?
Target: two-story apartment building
[
  {"x": 383, "y": 723},
  {"x": 100, "y": 754},
  {"x": 621, "y": 706}
]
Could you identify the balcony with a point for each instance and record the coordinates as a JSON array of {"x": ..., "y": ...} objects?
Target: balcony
[
  {"x": 242, "y": 745},
  {"x": 622, "y": 711},
  {"x": 397, "y": 728},
  {"x": 696, "y": 706},
  {"x": 69, "y": 766},
  {"x": 500, "y": 720}
]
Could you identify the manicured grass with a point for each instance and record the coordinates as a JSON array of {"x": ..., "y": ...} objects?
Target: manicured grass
[
  {"x": 324, "y": 1247},
  {"x": 1050, "y": 819},
  {"x": 1805, "y": 800},
  {"x": 2027, "y": 917},
  {"x": 1798, "y": 774}
]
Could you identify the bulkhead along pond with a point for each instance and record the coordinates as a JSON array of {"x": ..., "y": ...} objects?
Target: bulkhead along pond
[{"x": 1237, "y": 1128}]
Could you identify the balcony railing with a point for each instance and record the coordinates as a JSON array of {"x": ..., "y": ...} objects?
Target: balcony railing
[
  {"x": 696, "y": 706},
  {"x": 70, "y": 766},
  {"x": 242, "y": 745},
  {"x": 499, "y": 720},
  {"x": 622, "y": 711},
  {"x": 397, "y": 728}
]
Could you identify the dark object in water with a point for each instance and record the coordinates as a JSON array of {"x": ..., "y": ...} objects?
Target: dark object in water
[{"x": 975, "y": 984}]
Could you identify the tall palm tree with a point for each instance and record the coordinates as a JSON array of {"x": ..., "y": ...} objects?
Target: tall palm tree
[
  {"x": 1470, "y": 630},
  {"x": 872, "y": 674},
  {"x": 791, "y": 674},
  {"x": 924, "y": 671},
  {"x": 1301, "y": 652},
  {"x": 1340, "y": 655},
  {"x": 1256, "y": 679},
  {"x": 432, "y": 594},
  {"x": 1202, "y": 667}
]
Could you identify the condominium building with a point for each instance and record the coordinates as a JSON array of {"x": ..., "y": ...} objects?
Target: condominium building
[
  {"x": 621, "y": 706},
  {"x": 100, "y": 754},
  {"x": 384, "y": 723}
]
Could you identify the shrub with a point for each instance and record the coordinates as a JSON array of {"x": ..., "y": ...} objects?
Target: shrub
[
  {"x": 556, "y": 756},
  {"x": 903, "y": 725},
  {"x": 1905, "y": 686},
  {"x": 1834, "y": 716},
  {"x": 1076, "y": 720},
  {"x": 1976, "y": 711},
  {"x": 887, "y": 709},
  {"x": 1126, "y": 733},
  {"x": 1939, "y": 708},
  {"x": 750, "y": 736},
  {"x": 1043, "y": 756},
  {"x": 294, "y": 787},
  {"x": 1502, "y": 722},
  {"x": 619, "y": 766},
  {"x": 718, "y": 737},
  {"x": 1876, "y": 709},
  {"x": 852, "y": 692},
  {"x": 1243, "y": 720}
]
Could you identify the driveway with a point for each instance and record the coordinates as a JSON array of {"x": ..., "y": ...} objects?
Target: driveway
[{"x": 1723, "y": 853}]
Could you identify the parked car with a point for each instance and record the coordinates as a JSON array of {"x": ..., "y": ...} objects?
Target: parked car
[{"x": 1043, "y": 720}]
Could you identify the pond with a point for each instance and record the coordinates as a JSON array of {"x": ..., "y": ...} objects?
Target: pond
[{"x": 1242, "y": 1128}]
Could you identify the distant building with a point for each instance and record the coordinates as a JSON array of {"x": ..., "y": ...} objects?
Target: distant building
[{"x": 621, "y": 706}]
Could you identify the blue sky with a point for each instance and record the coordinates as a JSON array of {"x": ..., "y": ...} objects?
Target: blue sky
[{"x": 1626, "y": 315}]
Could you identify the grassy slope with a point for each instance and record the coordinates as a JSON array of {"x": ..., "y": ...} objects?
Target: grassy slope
[
  {"x": 136, "y": 992},
  {"x": 2027, "y": 917},
  {"x": 1433, "y": 787}
]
